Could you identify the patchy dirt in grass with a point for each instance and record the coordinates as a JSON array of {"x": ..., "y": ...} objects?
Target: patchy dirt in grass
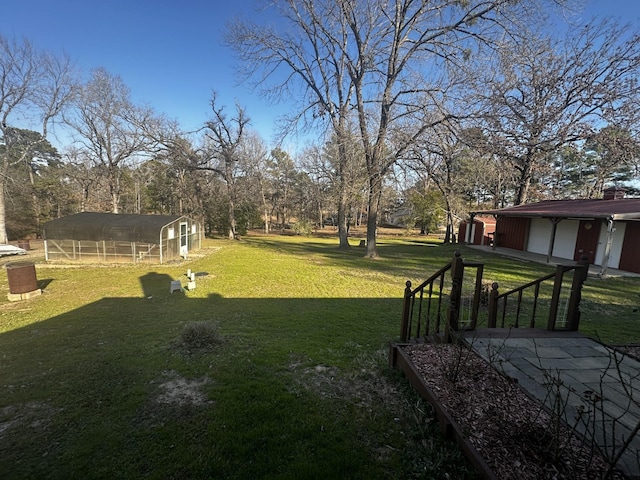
[
  {"x": 365, "y": 386},
  {"x": 513, "y": 433},
  {"x": 36, "y": 415},
  {"x": 407, "y": 431},
  {"x": 177, "y": 390}
]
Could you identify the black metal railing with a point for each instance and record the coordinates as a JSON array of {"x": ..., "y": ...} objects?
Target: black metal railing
[
  {"x": 515, "y": 307},
  {"x": 431, "y": 307}
]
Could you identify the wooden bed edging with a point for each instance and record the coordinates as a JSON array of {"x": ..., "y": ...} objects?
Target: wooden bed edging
[{"x": 398, "y": 359}]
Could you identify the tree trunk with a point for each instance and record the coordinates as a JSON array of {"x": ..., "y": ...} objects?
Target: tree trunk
[
  {"x": 265, "y": 209},
  {"x": 3, "y": 216},
  {"x": 36, "y": 204},
  {"x": 114, "y": 188},
  {"x": 266, "y": 219},
  {"x": 85, "y": 199},
  {"x": 232, "y": 213},
  {"x": 114, "y": 202},
  {"x": 232, "y": 220},
  {"x": 343, "y": 231},
  {"x": 522, "y": 190},
  {"x": 231, "y": 193},
  {"x": 343, "y": 161},
  {"x": 375, "y": 195}
]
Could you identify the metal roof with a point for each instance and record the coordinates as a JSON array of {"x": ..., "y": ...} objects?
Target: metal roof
[
  {"x": 619, "y": 209},
  {"x": 108, "y": 226}
]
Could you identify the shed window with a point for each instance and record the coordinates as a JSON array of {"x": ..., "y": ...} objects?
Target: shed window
[{"x": 171, "y": 233}]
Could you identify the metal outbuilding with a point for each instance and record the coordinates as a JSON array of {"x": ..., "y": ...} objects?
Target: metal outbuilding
[{"x": 121, "y": 238}]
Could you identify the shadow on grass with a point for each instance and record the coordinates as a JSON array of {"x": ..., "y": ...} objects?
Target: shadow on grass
[
  {"x": 44, "y": 283},
  {"x": 78, "y": 392},
  {"x": 295, "y": 390}
]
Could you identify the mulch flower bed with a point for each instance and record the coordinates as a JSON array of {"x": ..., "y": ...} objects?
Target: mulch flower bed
[{"x": 514, "y": 434}]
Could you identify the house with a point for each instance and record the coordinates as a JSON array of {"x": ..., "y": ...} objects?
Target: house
[
  {"x": 606, "y": 230},
  {"x": 109, "y": 237}
]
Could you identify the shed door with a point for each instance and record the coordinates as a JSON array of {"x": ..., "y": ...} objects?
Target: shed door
[
  {"x": 184, "y": 239},
  {"x": 630, "y": 256},
  {"x": 587, "y": 241}
]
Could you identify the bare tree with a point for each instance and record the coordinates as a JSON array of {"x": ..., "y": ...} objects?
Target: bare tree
[
  {"x": 615, "y": 152},
  {"x": 225, "y": 136},
  {"x": 383, "y": 62},
  {"x": 283, "y": 172},
  {"x": 82, "y": 174},
  {"x": 320, "y": 173},
  {"x": 439, "y": 153},
  {"x": 544, "y": 94},
  {"x": 314, "y": 53},
  {"x": 254, "y": 158},
  {"x": 110, "y": 129},
  {"x": 35, "y": 85}
]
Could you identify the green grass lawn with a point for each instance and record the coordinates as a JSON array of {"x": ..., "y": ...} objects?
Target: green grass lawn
[{"x": 96, "y": 380}]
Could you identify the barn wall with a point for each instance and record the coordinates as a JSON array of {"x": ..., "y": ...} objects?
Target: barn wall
[
  {"x": 512, "y": 232},
  {"x": 462, "y": 232},
  {"x": 630, "y": 253}
]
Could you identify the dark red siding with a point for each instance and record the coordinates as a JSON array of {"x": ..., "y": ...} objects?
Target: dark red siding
[
  {"x": 512, "y": 232},
  {"x": 587, "y": 241},
  {"x": 630, "y": 255},
  {"x": 462, "y": 232}
]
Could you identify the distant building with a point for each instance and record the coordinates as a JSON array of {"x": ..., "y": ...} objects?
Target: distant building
[
  {"x": 481, "y": 233},
  {"x": 110, "y": 238},
  {"x": 606, "y": 230}
]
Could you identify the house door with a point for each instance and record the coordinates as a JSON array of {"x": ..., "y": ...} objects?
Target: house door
[
  {"x": 587, "y": 241},
  {"x": 184, "y": 240}
]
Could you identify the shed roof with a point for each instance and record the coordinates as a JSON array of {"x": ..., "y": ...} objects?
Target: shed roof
[
  {"x": 619, "y": 209},
  {"x": 108, "y": 226}
]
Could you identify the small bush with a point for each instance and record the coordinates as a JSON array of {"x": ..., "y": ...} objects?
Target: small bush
[
  {"x": 199, "y": 336},
  {"x": 303, "y": 227}
]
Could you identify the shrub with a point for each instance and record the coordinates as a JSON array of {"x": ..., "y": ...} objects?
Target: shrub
[
  {"x": 303, "y": 228},
  {"x": 201, "y": 336}
]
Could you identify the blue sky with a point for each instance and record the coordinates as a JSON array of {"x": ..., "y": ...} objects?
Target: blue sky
[{"x": 169, "y": 53}]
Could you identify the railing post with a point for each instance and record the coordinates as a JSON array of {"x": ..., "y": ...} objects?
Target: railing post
[
  {"x": 406, "y": 313},
  {"x": 555, "y": 298},
  {"x": 453, "y": 314},
  {"x": 493, "y": 306},
  {"x": 476, "y": 296},
  {"x": 579, "y": 276}
]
